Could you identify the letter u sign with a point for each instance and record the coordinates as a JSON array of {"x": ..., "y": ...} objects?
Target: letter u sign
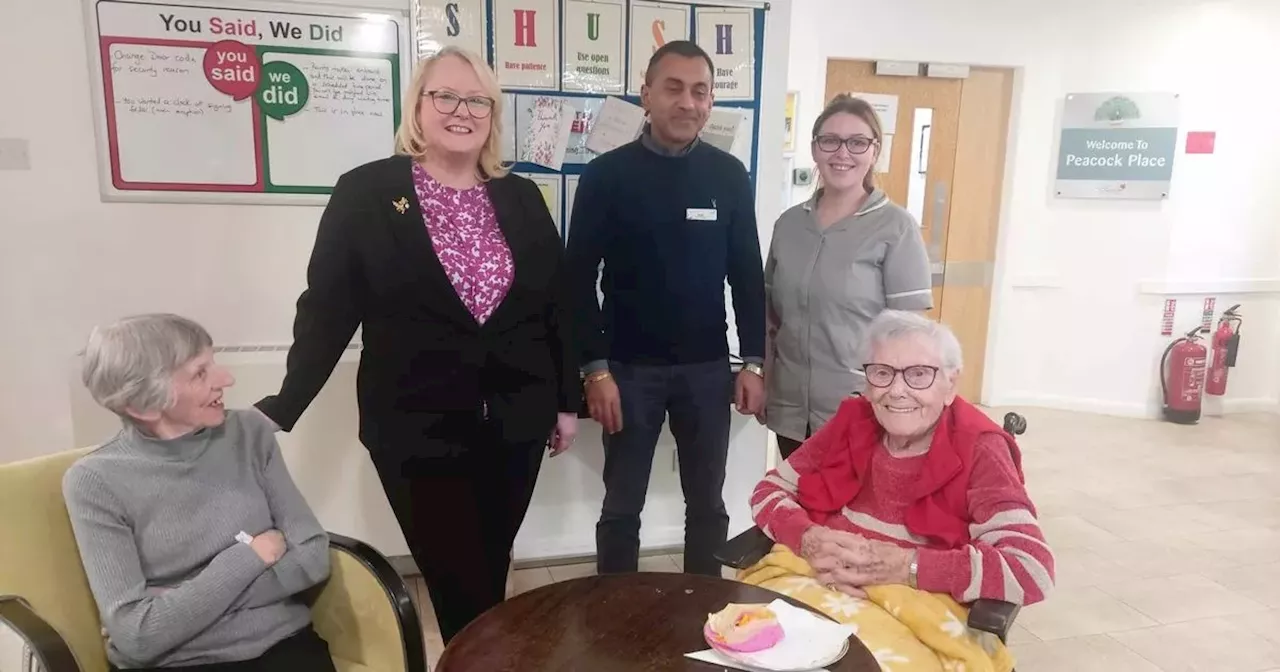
[{"x": 593, "y": 27}]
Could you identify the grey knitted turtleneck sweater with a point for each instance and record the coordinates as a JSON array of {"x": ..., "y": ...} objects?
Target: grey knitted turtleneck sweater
[{"x": 156, "y": 523}]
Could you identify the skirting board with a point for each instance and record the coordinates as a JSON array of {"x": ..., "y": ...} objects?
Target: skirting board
[
  {"x": 1130, "y": 409},
  {"x": 405, "y": 566},
  {"x": 564, "y": 551}
]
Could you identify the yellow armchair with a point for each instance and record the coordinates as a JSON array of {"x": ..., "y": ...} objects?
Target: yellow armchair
[{"x": 364, "y": 610}]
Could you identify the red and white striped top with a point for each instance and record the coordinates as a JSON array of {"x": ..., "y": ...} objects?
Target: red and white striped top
[{"x": 1006, "y": 558}]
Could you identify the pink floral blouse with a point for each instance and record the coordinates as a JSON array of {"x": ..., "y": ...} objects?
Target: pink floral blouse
[{"x": 464, "y": 232}]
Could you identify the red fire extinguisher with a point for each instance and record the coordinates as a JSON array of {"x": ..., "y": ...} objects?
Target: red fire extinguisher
[
  {"x": 1226, "y": 345},
  {"x": 1182, "y": 371}
]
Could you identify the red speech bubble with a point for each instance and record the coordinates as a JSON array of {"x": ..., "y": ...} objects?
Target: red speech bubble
[{"x": 233, "y": 68}]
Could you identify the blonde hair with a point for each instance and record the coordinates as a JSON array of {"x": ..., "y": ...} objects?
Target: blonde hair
[
  {"x": 409, "y": 138},
  {"x": 848, "y": 104}
]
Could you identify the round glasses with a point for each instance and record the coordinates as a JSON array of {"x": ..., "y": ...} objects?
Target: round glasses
[
  {"x": 918, "y": 377},
  {"x": 858, "y": 144},
  {"x": 447, "y": 102}
]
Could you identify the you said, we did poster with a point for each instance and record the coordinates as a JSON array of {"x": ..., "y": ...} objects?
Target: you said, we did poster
[{"x": 270, "y": 103}]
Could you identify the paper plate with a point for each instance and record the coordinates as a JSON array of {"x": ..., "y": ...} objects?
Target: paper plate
[
  {"x": 810, "y": 642},
  {"x": 750, "y": 660}
]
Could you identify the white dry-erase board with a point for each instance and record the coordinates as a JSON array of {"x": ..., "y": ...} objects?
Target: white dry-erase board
[{"x": 241, "y": 101}]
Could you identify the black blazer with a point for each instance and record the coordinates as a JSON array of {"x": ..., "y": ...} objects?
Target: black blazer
[{"x": 429, "y": 374}]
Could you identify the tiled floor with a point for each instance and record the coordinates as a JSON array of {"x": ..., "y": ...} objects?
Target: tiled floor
[{"x": 1167, "y": 541}]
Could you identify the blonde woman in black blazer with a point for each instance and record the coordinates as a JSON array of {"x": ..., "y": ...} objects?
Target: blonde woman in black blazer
[{"x": 467, "y": 376}]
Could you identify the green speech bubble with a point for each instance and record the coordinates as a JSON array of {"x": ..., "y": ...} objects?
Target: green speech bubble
[{"x": 283, "y": 91}]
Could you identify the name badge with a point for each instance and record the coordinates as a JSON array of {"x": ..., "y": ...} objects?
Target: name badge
[{"x": 701, "y": 214}]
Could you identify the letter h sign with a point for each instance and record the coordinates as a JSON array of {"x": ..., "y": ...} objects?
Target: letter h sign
[
  {"x": 724, "y": 38},
  {"x": 525, "y": 33}
]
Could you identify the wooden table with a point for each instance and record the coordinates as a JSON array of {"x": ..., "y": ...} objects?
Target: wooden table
[{"x": 620, "y": 623}]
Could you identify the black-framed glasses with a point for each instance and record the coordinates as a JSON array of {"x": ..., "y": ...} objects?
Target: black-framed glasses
[
  {"x": 917, "y": 377},
  {"x": 447, "y": 102},
  {"x": 858, "y": 144}
]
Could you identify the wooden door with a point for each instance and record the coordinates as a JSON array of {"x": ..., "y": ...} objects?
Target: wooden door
[{"x": 959, "y": 185}]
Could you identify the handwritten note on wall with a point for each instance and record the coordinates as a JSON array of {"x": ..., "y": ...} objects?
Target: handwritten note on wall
[
  {"x": 618, "y": 123},
  {"x": 547, "y": 136}
]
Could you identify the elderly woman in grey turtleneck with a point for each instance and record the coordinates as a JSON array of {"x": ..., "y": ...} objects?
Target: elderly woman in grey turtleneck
[{"x": 195, "y": 539}]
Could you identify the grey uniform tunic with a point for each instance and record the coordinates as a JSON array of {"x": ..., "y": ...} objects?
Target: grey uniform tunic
[{"x": 823, "y": 289}]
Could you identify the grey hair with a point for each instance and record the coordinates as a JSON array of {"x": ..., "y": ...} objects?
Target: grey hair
[
  {"x": 894, "y": 324},
  {"x": 129, "y": 365}
]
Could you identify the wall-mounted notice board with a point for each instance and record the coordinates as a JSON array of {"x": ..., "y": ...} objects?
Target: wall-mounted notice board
[
  {"x": 244, "y": 102},
  {"x": 569, "y": 56}
]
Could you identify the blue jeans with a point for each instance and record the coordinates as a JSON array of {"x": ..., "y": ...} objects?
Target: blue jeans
[{"x": 697, "y": 398}]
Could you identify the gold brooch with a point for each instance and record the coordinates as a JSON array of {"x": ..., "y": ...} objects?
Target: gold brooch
[{"x": 401, "y": 205}]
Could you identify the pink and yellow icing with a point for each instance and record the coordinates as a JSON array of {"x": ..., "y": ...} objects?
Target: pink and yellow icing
[{"x": 743, "y": 628}]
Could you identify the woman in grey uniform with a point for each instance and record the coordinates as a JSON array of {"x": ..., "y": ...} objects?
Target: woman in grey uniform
[{"x": 835, "y": 262}]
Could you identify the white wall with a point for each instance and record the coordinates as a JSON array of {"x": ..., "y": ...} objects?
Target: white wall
[
  {"x": 1080, "y": 286},
  {"x": 69, "y": 261}
]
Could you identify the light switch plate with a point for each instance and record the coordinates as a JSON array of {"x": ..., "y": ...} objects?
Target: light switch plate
[{"x": 14, "y": 154}]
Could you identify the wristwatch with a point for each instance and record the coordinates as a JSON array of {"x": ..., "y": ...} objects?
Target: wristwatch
[{"x": 754, "y": 368}]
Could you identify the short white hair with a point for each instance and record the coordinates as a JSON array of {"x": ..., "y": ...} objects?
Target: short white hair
[
  {"x": 891, "y": 325},
  {"x": 129, "y": 365}
]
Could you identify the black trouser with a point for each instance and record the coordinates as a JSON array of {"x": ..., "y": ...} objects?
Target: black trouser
[
  {"x": 460, "y": 513},
  {"x": 302, "y": 651},
  {"x": 697, "y": 398},
  {"x": 787, "y": 446}
]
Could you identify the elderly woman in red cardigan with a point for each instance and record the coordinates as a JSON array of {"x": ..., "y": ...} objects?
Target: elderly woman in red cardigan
[{"x": 910, "y": 485}]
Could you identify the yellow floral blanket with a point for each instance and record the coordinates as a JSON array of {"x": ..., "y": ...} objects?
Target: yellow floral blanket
[{"x": 907, "y": 630}]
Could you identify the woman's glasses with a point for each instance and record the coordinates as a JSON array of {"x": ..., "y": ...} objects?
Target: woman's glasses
[
  {"x": 918, "y": 377},
  {"x": 447, "y": 102},
  {"x": 858, "y": 144}
]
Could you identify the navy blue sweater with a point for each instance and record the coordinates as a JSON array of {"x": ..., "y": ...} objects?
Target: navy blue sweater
[{"x": 670, "y": 230}]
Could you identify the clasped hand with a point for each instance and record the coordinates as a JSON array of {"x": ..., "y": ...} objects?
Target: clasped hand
[{"x": 849, "y": 562}]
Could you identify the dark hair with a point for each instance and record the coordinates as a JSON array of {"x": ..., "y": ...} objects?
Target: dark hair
[
  {"x": 847, "y": 104},
  {"x": 684, "y": 48}
]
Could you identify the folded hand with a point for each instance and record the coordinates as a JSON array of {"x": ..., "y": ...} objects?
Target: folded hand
[{"x": 849, "y": 562}]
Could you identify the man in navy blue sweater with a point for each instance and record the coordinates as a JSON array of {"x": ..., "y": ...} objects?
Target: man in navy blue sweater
[{"x": 671, "y": 218}]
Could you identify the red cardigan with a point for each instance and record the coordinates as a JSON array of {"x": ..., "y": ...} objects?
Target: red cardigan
[
  {"x": 939, "y": 510},
  {"x": 962, "y": 504}
]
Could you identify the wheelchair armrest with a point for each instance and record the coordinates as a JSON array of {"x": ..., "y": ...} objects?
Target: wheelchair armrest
[
  {"x": 397, "y": 593},
  {"x": 744, "y": 550},
  {"x": 993, "y": 616},
  {"x": 52, "y": 651}
]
